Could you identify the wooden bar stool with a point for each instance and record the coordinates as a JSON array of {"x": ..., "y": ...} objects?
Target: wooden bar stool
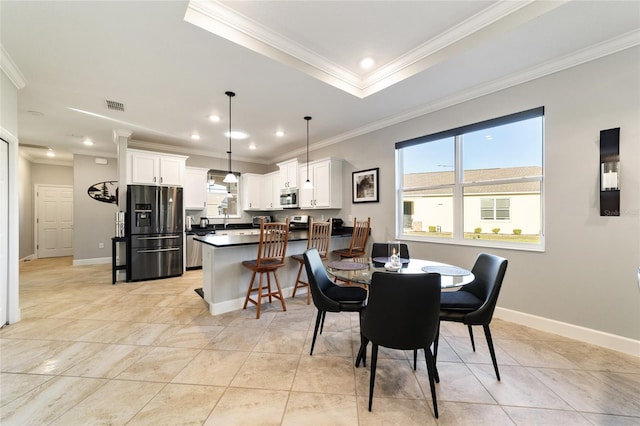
[
  {"x": 271, "y": 252},
  {"x": 359, "y": 238},
  {"x": 319, "y": 239}
]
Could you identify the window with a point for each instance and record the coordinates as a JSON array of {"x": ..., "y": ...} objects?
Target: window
[
  {"x": 495, "y": 208},
  {"x": 479, "y": 184},
  {"x": 222, "y": 198}
]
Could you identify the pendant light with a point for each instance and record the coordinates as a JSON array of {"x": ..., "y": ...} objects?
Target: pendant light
[
  {"x": 307, "y": 184},
  {"x": 230, "y": 177}
]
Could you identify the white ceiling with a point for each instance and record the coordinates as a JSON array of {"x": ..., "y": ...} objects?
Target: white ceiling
[{"x": 170, "y": 63}]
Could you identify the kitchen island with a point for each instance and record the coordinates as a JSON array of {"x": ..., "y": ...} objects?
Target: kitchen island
[{"x": 225, "y": 281}]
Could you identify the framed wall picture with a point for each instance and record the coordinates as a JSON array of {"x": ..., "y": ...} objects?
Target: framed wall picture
[{"x": 365, "y": 186}]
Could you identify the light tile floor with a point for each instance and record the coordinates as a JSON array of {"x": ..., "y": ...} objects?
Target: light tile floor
[{"x": 148, "y": 353}]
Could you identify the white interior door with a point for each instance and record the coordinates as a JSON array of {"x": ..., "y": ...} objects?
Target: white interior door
[
  {"x": 4, "y": 230},
  {"x": 54, "y": 220}
]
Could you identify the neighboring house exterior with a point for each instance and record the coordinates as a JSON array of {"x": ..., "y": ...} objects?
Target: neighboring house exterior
[{"x": 498, "y": 201}]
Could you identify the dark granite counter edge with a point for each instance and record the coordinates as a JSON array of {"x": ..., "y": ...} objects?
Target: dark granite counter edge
[{"x": 221, "y": 241}]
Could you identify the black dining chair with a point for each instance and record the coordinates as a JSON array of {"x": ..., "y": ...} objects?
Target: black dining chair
[
  {"x": 327, "y": 296},
  {"x": 382, "y": 250},
  {"x": 474, "y": 303},
  {"x": 401, "y": 313}
]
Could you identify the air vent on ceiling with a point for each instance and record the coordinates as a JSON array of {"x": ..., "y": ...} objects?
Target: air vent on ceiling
[{"x": 115, "y": 106}]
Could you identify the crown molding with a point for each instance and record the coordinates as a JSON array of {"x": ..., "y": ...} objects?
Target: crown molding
[
  {"x": 592, "y": 53},
  {"x": 11, "y": 69},
  {"x": 170, "y": 149},
  {"x": 225, "y": 22}
]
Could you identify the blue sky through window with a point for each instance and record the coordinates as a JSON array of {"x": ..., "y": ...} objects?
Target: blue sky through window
[{"x": 511, "y": 145}]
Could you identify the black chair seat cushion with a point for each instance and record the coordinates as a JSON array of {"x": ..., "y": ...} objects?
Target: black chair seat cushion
[
  {"x": 346, "y": 294},
  {"x": 459, "y": 301}
]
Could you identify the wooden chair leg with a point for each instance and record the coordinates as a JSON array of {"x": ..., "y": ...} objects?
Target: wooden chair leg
[
  {"x": 295, "y": 287},
  {"x": 269, "y": 287},
  {"x": 259, "y": 304},
  {"x": 248, "y": 297},
  {"x": 280, "y": 296}
]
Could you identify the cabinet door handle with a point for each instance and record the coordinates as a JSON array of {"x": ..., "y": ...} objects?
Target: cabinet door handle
[
  {"x": 154, "y": 179},
  {"x": 161, "y": 180}
]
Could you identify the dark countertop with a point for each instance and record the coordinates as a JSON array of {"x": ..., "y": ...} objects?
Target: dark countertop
[{"x": 245, "y": 240}]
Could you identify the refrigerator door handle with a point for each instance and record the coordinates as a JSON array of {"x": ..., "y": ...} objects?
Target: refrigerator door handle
[
  {"x": 168, "y": 237},
  {"x": 159, "y": 250}
]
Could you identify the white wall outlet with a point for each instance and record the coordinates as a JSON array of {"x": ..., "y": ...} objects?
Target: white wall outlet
[
  {"x": 350, "y": 218},
  {"x": 100, "y": 245}
]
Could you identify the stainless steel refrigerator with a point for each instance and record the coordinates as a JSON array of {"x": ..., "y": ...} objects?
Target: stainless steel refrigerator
[{"x": 154, "y": 222}]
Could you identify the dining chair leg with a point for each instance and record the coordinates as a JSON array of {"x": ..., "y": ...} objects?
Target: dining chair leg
[
  {"x": 362, "y": 352},
  {"x": 315, "y": 331},
  {"x": 487, "y": 333},
  {"x": 433, "y": 373},
  {"x": 322, "y": 325},
  {"x": 473, "y": 343},
  {"x": 372, "y": 381},
  {"x": 436, "y": 342},
  {"x": 415, "y": 359}
]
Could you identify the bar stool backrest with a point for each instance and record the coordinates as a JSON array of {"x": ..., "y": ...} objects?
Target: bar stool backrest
[
  {"x": 320, "y": 237},
  {"x": 273, "y": 243}
]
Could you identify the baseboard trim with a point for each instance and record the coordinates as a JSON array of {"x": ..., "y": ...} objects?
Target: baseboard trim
[
  {"x": 28, "y": 258},
  {"x": 236, "y": 304},
  {"x": 572, "y": 331},
  {"x": 94, "y": 261}
]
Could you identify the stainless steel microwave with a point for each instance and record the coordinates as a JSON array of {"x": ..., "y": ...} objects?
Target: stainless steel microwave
[{"x": 289, "y": 198}]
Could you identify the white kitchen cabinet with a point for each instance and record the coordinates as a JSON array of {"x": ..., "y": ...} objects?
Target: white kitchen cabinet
[
  {"x": 288, "y": 174},
  {"x": 271, "y": 191},
  {"x": 326, "y": 177},
  {"x": 195, "y": 188},
  {"x": 152, "y": 168},
  {"x": 251, "y": 191}
]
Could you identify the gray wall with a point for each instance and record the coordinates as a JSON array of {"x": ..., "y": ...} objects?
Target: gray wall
[
  {"x": 94, "y": 221},
  {"x": 587, "y": 274},
  {"x": 25, "y": 208}
]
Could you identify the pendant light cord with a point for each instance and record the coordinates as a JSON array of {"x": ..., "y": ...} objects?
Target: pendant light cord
[
  {"x": 308, "y": 119},
  {"x": 230, "y": 95}
]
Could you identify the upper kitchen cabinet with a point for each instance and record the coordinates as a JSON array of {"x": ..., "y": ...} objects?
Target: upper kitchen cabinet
[
  {"x": 251, "y": 191},
  {"x": 271, "y": 191},
  {"x": 195, "y": 188},
  {"x": 151, "y": 168},
  {"x": 326, "y": 177},
  {"x": 288, "y": 174}
]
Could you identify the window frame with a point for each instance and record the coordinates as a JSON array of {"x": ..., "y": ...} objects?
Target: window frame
[{"x": 459, "y": 186}]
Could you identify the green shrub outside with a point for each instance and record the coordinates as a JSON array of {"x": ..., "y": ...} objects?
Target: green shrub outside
[
  {"x": 495, "y": 230},
  {"x": 517, "y": 231},
  {"x": 477, "y": 230}
]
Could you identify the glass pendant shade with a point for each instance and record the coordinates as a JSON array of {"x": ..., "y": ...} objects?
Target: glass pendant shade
[
  {"x": 307, "y": 184},
  {"x": 230, "y": 178}
]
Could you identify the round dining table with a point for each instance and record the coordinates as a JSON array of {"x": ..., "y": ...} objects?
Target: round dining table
[{"x": 360, "y": 270}]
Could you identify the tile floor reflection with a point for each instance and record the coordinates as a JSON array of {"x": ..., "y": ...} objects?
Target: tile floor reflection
[{"x": 87, "y": 352}]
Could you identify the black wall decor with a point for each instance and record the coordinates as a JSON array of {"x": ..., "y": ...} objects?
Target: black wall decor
[{"x": 610, "y": 172}]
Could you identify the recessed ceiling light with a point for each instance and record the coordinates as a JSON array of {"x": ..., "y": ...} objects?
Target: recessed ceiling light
[
  {"x": 367, "y": 63},
  {"x": 50, "y": 153},
  {"x": 87, "y": 142},
  {"x": 488, "y": 137},
  {"x": 252, "y": 145},
  {"x": 195, "y": 137},
  {"x": 214, "y": 118},
  {"x": 279, "y": 133},
  {"x": 235, "y": 134}
]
